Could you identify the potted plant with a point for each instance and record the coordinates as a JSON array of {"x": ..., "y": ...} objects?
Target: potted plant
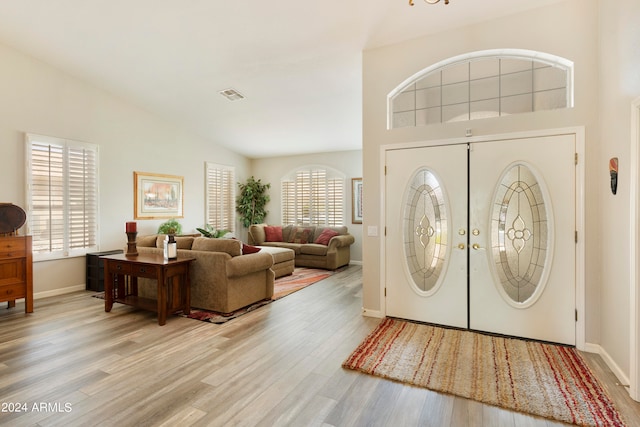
[
  {"x": 251, "y": 202},
  {"x": 209, "y": 231},
  {"x": 170, "y": 227}
]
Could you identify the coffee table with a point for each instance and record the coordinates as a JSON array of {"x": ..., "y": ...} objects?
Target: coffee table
[{"x": 121, "y": 283}]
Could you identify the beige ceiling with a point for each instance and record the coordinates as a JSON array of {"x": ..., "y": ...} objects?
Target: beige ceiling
[{"x": 298, "y": 63}]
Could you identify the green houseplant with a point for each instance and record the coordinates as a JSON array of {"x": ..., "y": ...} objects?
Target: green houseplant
[
  {"x": 171, "y": 226},
  {"x": 209, "y": 231},
  {"x": 251, "y": 201}
]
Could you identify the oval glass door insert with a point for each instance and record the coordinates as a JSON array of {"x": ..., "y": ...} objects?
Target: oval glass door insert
[
  {"x": 521, "y": 235},
  {"x": 425, "y": 230}
]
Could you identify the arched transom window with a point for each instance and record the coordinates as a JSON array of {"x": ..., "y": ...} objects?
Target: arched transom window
[{"x": 482, "y": 84}]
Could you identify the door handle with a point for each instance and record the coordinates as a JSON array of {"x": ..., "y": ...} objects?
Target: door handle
[
  {"x": 461, "y": 246},
  {"x": 476, "y": 246}
]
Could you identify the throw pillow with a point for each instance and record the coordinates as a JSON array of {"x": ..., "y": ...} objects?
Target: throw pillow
[
  {"x": 273, "y": 233},
  {"x": 248, "y": 249},
  {"x": 325, "y": 236},
  {"x": 300, "y": 235}
]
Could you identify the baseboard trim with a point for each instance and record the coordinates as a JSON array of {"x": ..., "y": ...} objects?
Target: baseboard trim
[
  {"x": 372, "y": 313},
  {"x": 355, "y": 262},
  {"x": 56, "y": 292},
  {"x": 61, "y": 291},
  {"x": 596, "y": 348}
]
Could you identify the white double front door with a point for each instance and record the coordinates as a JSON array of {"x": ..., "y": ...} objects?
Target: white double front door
[{"x": 482, "y": 236}]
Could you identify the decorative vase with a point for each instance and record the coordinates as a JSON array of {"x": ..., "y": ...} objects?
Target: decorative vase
[{"x": 172, "y": 247}]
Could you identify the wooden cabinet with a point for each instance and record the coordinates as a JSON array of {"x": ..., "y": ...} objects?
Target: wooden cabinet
[{"x": 16, "y": 271}]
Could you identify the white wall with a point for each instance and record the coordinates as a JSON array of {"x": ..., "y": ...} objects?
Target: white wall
[
  {"x": 38, "y": 98},
  {"x": 567, "y": 29},
  {"x": 619, "y": 86},
  {"x": 271, "y": 170}
]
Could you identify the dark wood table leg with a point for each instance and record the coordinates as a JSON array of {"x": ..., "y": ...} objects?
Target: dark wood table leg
[
  {"x": 186, "y": 293},
  {"x": 109, "y": 285},
  {"x": 162, "y": 297},
  {"x": 120, "y": 286},
  {"x": 11, "y": 304}
]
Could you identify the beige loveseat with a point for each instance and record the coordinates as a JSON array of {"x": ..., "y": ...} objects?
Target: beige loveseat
[
  {"x": 222, "y": 278},
  {"x": 312, "y": 248}
]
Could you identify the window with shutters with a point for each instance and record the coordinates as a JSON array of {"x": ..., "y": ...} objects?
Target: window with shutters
[
  {"x": 313, "y": 196},
  {"x": 62, "y": 196},
  {"x": 220, "y": 197}
]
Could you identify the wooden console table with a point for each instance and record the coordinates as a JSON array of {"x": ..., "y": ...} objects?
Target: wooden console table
[
  {"x": 121, "y": 283},
  {"x": 16, "y": 271}
]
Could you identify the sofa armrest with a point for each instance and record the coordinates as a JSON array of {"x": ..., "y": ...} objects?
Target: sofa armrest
[
  {"x": 245, "y": 264},
  {"x": 341, "y": 241}
]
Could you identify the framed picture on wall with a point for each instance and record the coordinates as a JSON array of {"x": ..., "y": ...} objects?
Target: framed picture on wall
[
  {"x": 157, "y": 196},
  {"x": 356, "y": 200}
]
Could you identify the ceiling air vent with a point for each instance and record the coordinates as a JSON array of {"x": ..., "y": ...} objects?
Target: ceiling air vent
[{"x": 231, "y": 94}]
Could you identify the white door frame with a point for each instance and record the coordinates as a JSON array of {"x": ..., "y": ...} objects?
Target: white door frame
[
  {"x": 634, "y": 251},
  {"x": 580, "y": 209}
]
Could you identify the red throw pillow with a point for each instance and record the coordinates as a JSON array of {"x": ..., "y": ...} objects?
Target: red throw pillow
[
  {"x": 325, "y": 236},
  {"x": 248, "y": 249},
  {"x": 300, "y": 235},
  {"x": 273, "y": 233}
]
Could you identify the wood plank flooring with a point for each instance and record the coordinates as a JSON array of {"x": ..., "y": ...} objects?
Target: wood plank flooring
[{"x": 72, "y": 364}]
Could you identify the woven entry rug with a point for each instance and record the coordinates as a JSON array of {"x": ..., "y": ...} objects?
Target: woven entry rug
[
  {"x": 283, "y": 286},
  {"x": 550, "y": 381}
]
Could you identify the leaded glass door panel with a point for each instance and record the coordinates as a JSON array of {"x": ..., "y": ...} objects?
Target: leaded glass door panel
[
  {"x": 426, "y": 238},
  {"x": 522, "y": 241}
]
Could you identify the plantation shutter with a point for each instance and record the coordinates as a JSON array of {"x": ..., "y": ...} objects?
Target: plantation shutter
[
  {"x": 310, "y": 197},
  {"x": 220, "y": 196},
  {"x": 335, "y": 202},
  {"x": 47, "y": 201},
  {"x": 318, "y": 197},
  {"x": 83, "y": 200},
  {"x": 62, "y": 196},
  {"x": 303, "y": 197},
  {"x": 288, "y": 202}
]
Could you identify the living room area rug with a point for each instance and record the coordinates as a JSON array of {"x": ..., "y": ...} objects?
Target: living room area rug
[
  {"x": 283, "y": 286},
  {"x": 551, "y": 381}
]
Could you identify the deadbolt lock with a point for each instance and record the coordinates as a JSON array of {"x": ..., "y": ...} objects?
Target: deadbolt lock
[{"x": 476, "y": 232}]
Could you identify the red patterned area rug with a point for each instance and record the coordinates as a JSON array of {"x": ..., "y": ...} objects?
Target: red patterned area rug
[
  {"x": 283, "y": 286},
  {"x": 550, "y": 381}
]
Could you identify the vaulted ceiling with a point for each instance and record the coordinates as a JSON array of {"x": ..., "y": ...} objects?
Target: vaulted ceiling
[{"x": 298, "y": 63}]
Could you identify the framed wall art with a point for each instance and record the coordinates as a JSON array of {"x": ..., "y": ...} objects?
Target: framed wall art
[
  {"x": 157, "y": 196},
  {"x": 356, "y": 200}
]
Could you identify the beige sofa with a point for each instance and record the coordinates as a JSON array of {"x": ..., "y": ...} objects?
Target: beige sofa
[
  {"x": 222, "y": 278},
  {"x": 304, "y": 242}
]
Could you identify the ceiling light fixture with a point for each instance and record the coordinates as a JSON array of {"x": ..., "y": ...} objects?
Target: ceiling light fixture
[
  {"x": 430, "y": 2},
  {"x": 231, "y": 94}
]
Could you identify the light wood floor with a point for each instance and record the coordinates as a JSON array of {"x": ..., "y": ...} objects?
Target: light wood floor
[{"x": 279, "y": 365}]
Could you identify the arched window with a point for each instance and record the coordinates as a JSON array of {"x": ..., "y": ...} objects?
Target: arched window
[
  {"x": 313, "y": 195},
  {"x": 490, "y": 83}
]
